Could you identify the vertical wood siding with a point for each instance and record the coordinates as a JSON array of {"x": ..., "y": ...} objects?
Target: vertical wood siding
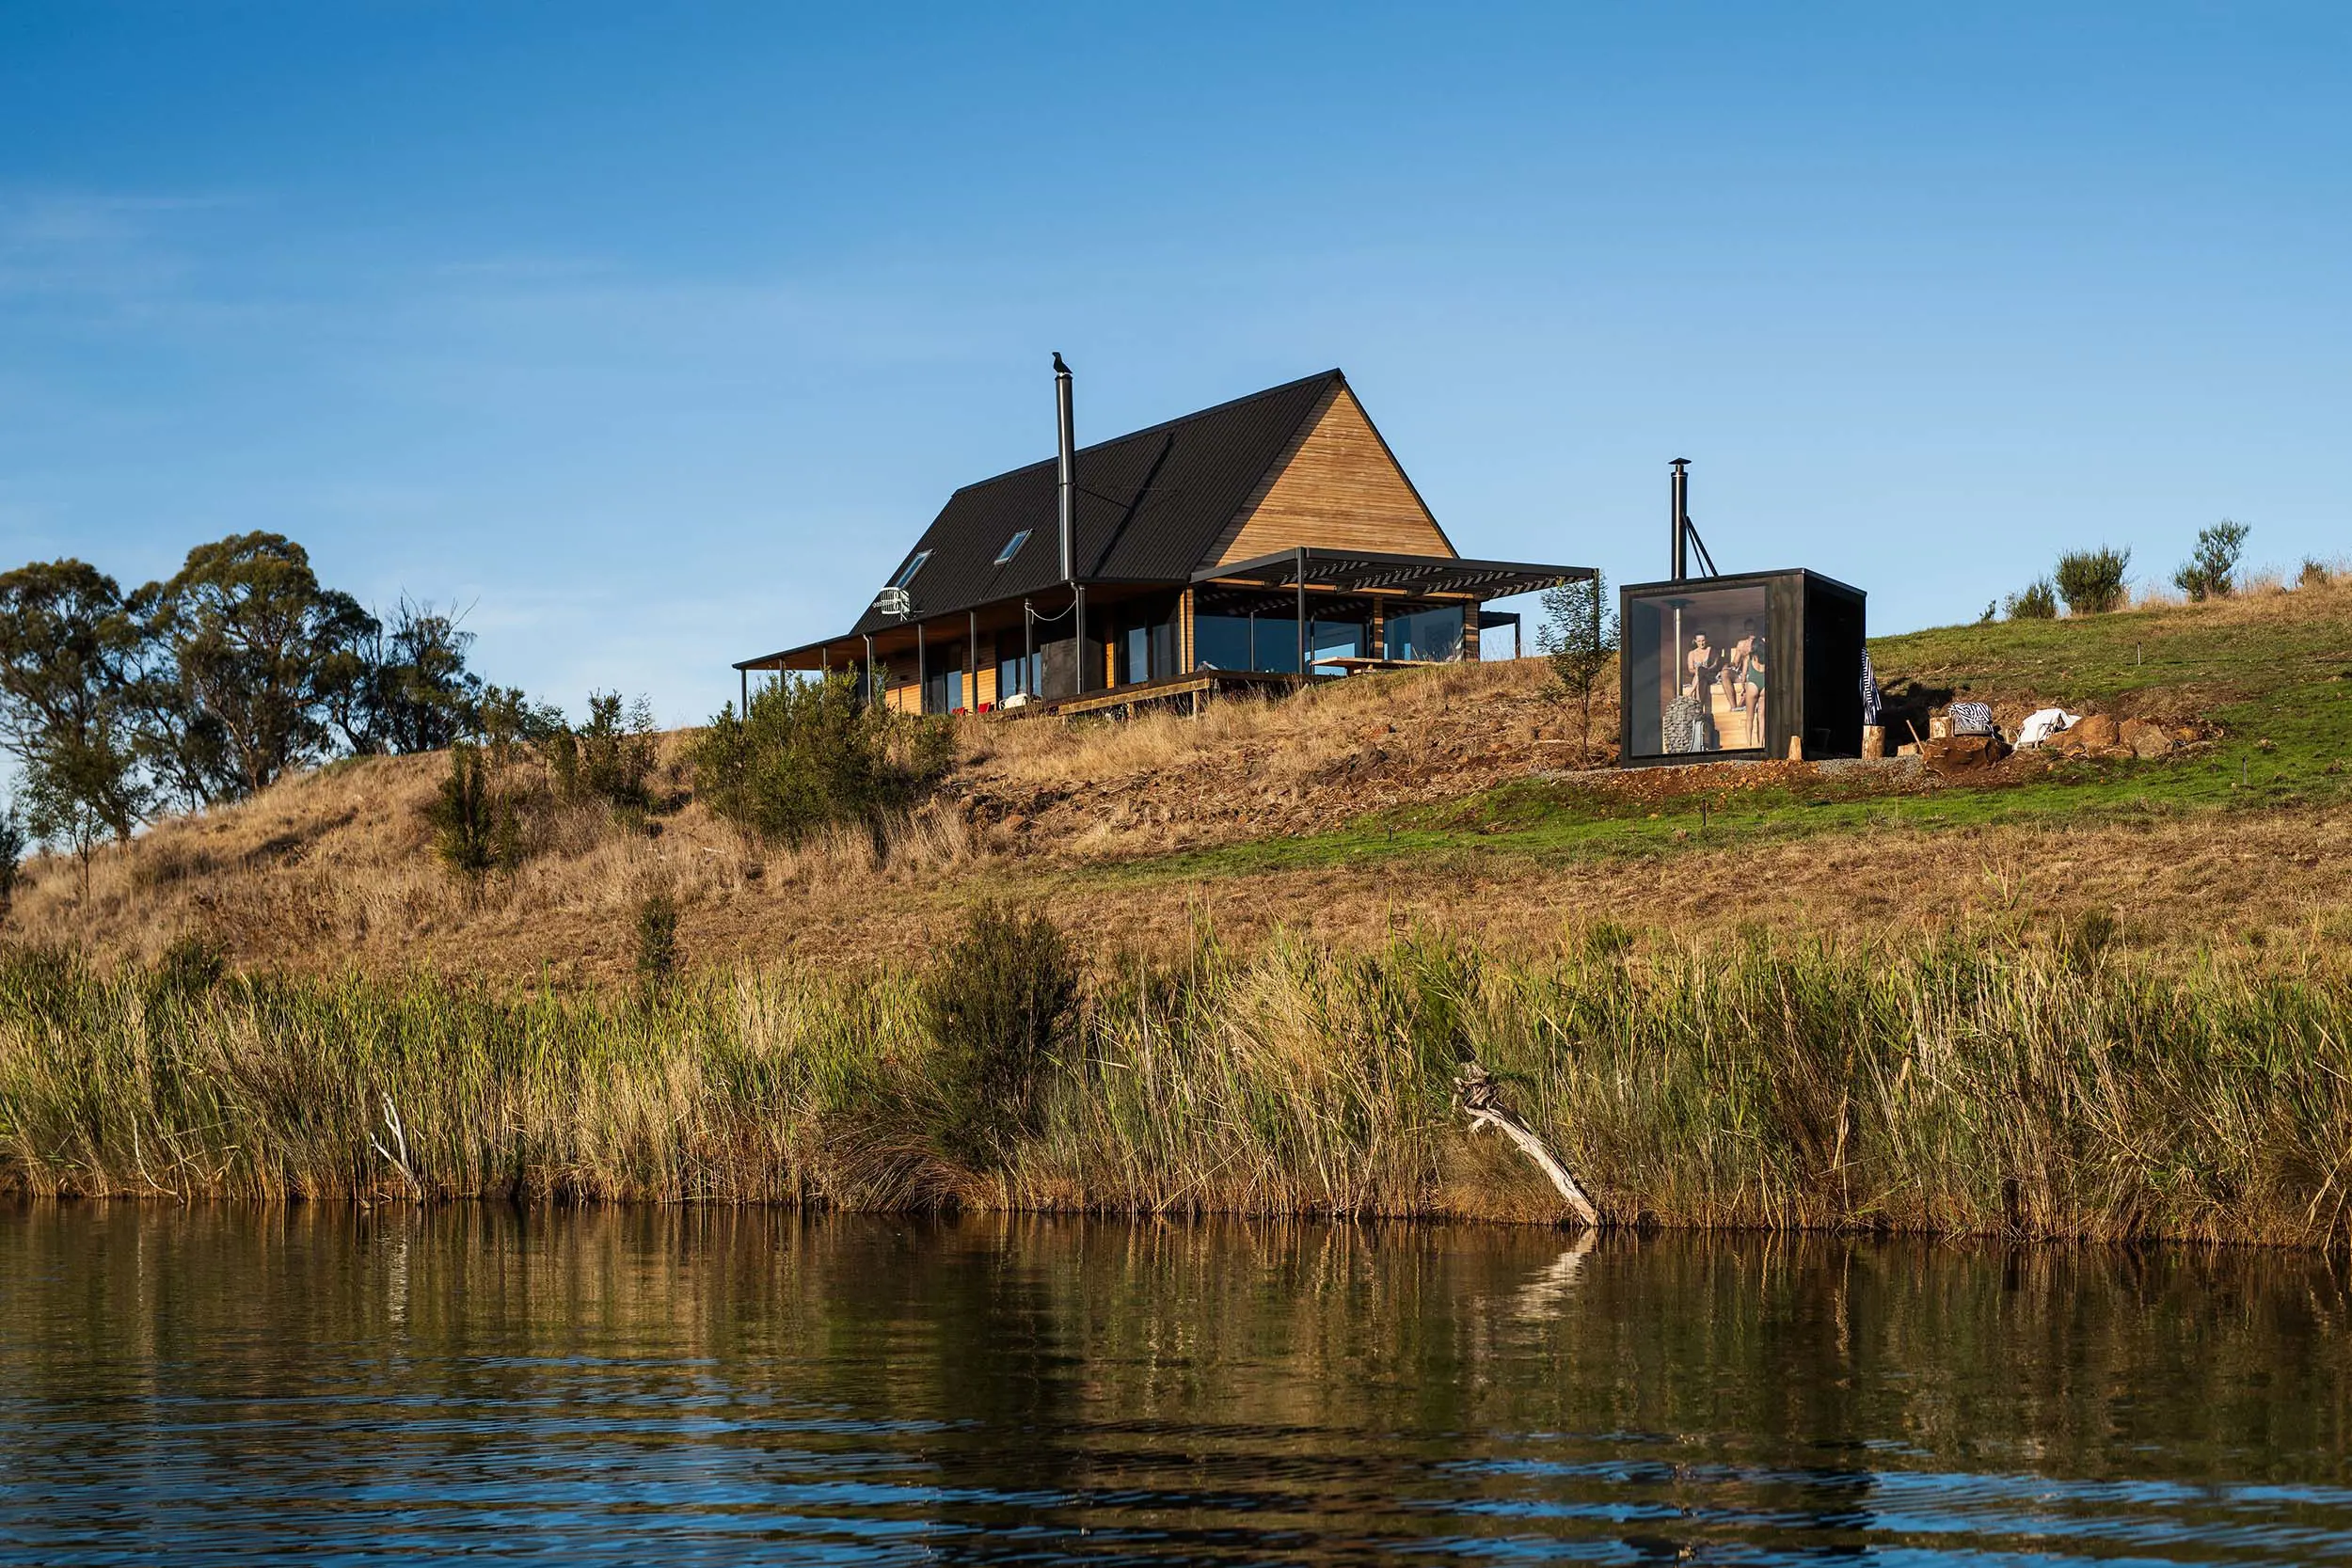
[{"x": 1338, "y": 489}]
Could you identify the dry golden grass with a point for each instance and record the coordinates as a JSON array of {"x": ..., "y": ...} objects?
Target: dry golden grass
[
  {"x": 334, "y": 869},
  {"x": 1252, "y": 766}
]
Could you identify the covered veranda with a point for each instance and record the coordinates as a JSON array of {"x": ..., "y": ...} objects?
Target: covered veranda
[{"x": 1274, "y": 619}]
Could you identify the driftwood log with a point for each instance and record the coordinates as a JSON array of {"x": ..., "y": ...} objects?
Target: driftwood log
[{"x": 1480, "y": 1095}]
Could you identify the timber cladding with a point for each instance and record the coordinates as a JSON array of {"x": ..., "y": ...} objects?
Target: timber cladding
[{"x": 1338, "y": 488}]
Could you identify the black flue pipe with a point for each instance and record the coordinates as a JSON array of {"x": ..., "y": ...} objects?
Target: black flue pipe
[
  {"x": 1066, "y": 491},
  {"x": 1679, "y": 502}
]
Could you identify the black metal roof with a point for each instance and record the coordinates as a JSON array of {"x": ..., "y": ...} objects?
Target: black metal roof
[{"x": 1151, "y": 506}]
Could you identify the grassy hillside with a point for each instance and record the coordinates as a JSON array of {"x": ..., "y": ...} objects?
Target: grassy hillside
[{"x": 1448, "y": 795}]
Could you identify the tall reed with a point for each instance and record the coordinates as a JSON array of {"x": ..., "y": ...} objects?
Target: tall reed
[{"x": 1938, "y": 1087}]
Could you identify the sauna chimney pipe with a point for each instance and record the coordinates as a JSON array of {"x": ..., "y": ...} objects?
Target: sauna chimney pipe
[
  {"x": 1679, "y": 502},
  {"x": 1066, "y": 490}
]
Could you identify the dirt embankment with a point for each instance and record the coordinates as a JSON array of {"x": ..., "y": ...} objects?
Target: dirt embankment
[{"x": 1249, "y": 768}]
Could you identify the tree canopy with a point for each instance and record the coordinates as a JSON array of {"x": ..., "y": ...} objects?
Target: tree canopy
[{"x": 213, "y": 683}]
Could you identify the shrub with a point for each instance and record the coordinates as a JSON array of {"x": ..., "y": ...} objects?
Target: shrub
[
  {"x": 612, "y": 757},
  {"x": 2036, "y": 601},
  {"x": 2091, "y": 582},
  {"x": 476, "y": 828},
  {"x": 999, "y": 1003},
  {"x": 14, "y": 841},
  {"x": 808, "y": 755},
  {"x": 2314, "y": 575},
  {"x": 504, "y": 720},
  {"x": 190, "y": 967},
  {"x": 657, "y": 939},
  {"x": 2211, "y": 571}
]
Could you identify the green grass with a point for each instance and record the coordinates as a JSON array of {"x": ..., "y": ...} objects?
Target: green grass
[
  {"x": 2279, "y": 690},
  {"x": 2051, "y": 1086}
]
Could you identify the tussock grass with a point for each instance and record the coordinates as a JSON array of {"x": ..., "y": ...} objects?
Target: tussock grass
[
  {"x": 1299, "y": 733},
  {"x": 2062, "y": 1090}
]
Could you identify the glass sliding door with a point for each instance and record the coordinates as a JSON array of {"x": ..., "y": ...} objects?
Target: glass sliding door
[
  {"x": 942, "y": 678},
  {"x": 1433, "y": 636}
]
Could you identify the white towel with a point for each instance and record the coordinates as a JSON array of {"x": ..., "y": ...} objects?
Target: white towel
[{"x": 2042, "y": 723}]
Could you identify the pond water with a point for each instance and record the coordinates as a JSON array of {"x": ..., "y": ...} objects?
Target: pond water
[{"x": 641, "y": 1386}]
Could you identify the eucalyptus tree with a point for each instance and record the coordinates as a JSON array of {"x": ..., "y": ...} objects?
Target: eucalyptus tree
[
  {"x": 257, "y": 654},
  {"x": 69, "y": 647}
]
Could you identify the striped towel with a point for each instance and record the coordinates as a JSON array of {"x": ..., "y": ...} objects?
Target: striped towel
[{"x": 1971, "y": 718}]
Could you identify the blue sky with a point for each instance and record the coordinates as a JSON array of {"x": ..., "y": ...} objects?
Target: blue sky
[{"x": 657, "y": 333}]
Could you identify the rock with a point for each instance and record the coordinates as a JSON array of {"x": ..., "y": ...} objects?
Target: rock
[
  {"x": 2098, "y": 732},
  {"x": 2147, "y": 742},
  {"x": 1963, "y": 753}
]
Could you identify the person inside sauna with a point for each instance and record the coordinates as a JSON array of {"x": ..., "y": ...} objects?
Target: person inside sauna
[
  {"x": 1703, "y": 652},
  {"x": 1699, "y": 667}
]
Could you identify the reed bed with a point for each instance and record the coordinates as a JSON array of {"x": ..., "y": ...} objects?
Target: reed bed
[{"x": 1938, "y": 1087}]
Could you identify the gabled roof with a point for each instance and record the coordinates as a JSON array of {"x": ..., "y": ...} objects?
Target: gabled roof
[{"x": 1152, "y": 505}]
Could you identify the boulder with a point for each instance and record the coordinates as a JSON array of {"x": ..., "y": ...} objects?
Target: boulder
[
  {"x": 2147, "y": 742},
  {"x": 2098, "y": 732}
]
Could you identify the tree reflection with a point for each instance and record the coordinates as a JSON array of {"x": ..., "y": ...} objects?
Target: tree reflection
[{"x": 753, "y": 1382}]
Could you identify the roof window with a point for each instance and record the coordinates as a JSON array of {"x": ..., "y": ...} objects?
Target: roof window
[
  {"x": 1012, "y": 546},
  {"x": 906, "y": 572}
]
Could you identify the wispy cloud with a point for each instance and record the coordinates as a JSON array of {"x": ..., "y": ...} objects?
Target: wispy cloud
[{"x": 56, "y": 242}]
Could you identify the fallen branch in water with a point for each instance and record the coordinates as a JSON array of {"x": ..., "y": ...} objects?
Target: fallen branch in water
[
  {"x": 400, "y": 1141},
  {"x": 1478, "y": 1090}
]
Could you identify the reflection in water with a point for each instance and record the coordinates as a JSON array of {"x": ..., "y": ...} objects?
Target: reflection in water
[{"x": 686, "y": 1385}]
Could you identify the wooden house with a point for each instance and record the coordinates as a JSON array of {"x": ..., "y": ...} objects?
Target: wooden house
[{"x": 1260, "y": 541}]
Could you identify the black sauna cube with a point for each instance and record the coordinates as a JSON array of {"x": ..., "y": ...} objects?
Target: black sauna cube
[{"x": 1737, "y": 666}]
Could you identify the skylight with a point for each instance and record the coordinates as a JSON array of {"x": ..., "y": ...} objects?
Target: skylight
[
  {"x": 906, "y": 572},
  {"x": 1012, "y": 546}
]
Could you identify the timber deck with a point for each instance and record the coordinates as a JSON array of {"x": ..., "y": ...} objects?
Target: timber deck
[{"x": 1198, "y": 684}]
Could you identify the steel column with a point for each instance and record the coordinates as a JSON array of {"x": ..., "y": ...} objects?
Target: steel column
[{"x": 1302, "y": 611}]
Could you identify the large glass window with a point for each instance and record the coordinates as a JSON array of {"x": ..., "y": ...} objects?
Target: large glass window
[
  {"x": 943, "y": 679},
  {"x": 1270, "y": 642},
  {"x": 1019, "y": 672},
  {"x": 1145, "y": 652},
  {"x": 1699, "y": 663},
  {"x": 1221, "y": 643},
  {"x": 1337, "y": 639},
  {"x": 1432, "y": 635},
  {"x": 1274, "y": 643}
]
